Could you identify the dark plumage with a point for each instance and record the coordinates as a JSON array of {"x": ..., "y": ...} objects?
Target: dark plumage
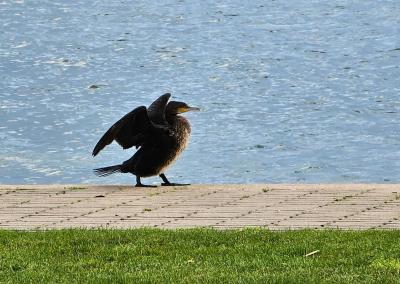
[{"x": 159, "y": 132}]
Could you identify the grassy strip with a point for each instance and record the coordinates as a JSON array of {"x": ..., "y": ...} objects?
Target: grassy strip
[{"x": 199, "y": 256}]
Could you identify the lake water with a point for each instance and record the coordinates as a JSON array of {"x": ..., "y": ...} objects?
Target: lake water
[{"x": 290, "y": 91}]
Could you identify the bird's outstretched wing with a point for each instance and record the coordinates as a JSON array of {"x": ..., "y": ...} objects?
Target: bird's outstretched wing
[
  {"x": 156, "y": 110},
  {"x": 129, "y": 131},
  {"x": 135, "y": 127}
]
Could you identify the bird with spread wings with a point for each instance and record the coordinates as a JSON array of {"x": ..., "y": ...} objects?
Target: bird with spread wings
[{"x": 159, "y": 134}]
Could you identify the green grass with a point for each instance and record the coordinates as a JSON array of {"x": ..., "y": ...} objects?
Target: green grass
[{"x": 199, "y": 256}]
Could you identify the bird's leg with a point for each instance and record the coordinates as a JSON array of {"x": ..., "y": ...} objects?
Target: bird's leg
[
  {"x": 140, "y": 184},
  {"x": 167, "y": 183},
  {"x": 165, "y": 180}
]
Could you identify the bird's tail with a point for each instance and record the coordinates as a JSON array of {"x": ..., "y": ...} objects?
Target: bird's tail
[{"x": 106, "y": 171}]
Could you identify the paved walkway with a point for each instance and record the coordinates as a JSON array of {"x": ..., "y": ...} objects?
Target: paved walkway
[{"x": 276, "y": 207}]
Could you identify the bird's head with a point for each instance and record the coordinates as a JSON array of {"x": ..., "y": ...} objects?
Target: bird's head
[{"x": 174, "y": 108}]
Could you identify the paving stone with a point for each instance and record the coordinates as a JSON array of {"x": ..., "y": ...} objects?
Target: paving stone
[{"x": 273, "y": 206}]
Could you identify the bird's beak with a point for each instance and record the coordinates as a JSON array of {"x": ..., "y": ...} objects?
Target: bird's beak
[
  {"x": 186, "y": 109},
  {"x": 193, "y": 109}
]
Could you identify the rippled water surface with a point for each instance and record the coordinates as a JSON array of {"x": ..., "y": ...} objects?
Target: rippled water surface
[{"x": 290, "y": 91}]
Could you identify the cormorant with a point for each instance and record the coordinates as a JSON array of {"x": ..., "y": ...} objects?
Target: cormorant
[{"x": 159, "y": 132}]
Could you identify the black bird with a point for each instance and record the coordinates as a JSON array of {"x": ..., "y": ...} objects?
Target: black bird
[{"x": 159, "y": 132}]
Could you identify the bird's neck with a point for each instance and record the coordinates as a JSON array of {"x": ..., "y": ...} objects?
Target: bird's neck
[{"x": 179, "y": 122}]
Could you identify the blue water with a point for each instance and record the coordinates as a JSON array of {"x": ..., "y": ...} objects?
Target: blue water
[{"x": 290, "y": 91}]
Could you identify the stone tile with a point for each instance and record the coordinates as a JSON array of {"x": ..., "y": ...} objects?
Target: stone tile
[{"x": 277, "y": 207}]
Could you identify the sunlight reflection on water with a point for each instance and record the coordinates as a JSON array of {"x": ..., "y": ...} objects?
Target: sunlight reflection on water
[{"x": 299, "y": 92}]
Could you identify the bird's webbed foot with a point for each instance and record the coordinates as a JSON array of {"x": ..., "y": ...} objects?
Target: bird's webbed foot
[
  {"x": 140, "y": 184},
  {"x": 144, "y": 185},
  {"x": 174, "y": 184},
  {"x": 167, "y": 183}
]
